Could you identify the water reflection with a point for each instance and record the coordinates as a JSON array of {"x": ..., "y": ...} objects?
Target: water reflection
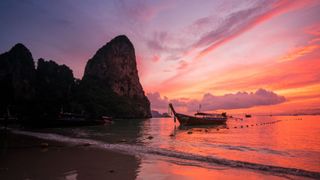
[
  {"x": 202, "y": 127},
  {"x": 274, "y": 140},
  {"x": 281, "y": 141}
]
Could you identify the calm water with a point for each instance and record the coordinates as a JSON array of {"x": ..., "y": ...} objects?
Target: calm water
[{"x": 238, "y": 149}]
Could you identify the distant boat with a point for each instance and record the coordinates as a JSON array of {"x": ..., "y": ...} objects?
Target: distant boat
[
  {"x": 248, "y": 116},
  {"x": 200, "y": 118}
]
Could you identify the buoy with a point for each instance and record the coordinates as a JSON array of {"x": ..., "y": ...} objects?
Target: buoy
[
  {"x": 247, "y": 125},
  {"x": 218, "y": 129},
  {"x": 235, "y": 127},
  {"x": 241, "y": 126},
  {"x": 171, "y": 135}
]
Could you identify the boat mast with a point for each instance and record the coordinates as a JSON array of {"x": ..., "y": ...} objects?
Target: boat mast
[{"x": 199, "y": 110}]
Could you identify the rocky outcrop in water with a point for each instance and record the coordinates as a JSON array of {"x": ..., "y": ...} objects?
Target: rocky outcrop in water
[
  {"x": 110, "y": 85},
  {"x": 156, "y": 114}
]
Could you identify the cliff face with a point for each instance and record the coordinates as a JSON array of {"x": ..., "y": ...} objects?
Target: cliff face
[
  {"x": 17, "y": 77},
  {"x": 32, "y": 93},
  {"x": 110, "y": 85},
  {"x": 54, "y": 87},
  {"x": 111, "y": 81}
]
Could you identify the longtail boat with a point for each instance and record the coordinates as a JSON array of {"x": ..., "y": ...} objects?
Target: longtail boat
[{"x": 199, "y": 118}]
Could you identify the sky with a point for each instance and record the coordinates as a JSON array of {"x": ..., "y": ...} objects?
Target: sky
[{"x": 239, "y": 56}]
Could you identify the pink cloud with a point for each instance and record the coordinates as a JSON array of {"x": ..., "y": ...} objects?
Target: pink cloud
[
  {"x": 155, "y": 58},
  {"x": 210, "y": 102},
  {"x": 313, "y": 30},
  {"x": 242, "y": 21},
  {"x": 236, "y": 101},
  {"x": 212, "y": 35},
  {"x": 182, "y": 65},
  {"x": 158, "y": 102},
  {"x": 208, "y": 34}
]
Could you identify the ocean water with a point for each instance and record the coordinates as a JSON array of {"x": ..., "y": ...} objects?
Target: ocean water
[{"x": 276, "y": 147}]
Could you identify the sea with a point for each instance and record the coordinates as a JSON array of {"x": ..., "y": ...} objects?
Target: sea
[{"x": 260, "y": 147}]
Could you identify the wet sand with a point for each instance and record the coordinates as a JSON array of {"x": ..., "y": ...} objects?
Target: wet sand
[{"x": 23, "y": 157}]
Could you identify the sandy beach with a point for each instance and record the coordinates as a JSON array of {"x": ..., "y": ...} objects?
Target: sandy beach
[{"x": 24, "y": 157}]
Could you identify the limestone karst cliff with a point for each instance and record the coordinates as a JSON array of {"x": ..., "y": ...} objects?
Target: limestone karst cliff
[
  {"x": 111, "y": 81},
  {"x": 110, "y": 85},
  {"x": 17, "y": 79}
]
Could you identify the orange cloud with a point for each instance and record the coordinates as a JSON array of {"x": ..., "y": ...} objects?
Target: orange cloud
[
  {"x": 292, "y": 78},
  {"x": 276, "y": 76},
  {"x": 222, "y": 38},
  {"x": 299, "y": 52}
]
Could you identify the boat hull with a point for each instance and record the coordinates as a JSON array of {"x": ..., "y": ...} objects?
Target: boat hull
[{"x": 191, "y": 120}]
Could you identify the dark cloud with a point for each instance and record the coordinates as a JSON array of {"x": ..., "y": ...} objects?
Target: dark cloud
[{"x": 210, "y": 102}]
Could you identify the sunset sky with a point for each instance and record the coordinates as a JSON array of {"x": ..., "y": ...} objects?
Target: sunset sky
[{"x": 254, "y": 56}]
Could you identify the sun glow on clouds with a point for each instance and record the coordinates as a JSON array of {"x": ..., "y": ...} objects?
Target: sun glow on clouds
[
  {"x": 185, "y": 49},
  {"x": 299, "y": 52},
  {"x": 211, "y": 102},
  {"x": 268, "y": 66}
]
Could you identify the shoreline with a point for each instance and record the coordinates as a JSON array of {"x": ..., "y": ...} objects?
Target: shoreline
[
  {"x": 25, "y": 157},
  {"x": 34, "y": 145}
]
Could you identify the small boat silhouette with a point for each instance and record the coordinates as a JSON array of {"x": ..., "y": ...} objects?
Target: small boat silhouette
[{"x": 199, "y": 118}]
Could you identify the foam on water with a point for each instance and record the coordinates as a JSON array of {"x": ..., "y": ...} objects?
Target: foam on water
[{"x": 140, "y": 150}]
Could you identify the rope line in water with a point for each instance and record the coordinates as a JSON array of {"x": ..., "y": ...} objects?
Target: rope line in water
[{"x": 247, "y": 125}]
